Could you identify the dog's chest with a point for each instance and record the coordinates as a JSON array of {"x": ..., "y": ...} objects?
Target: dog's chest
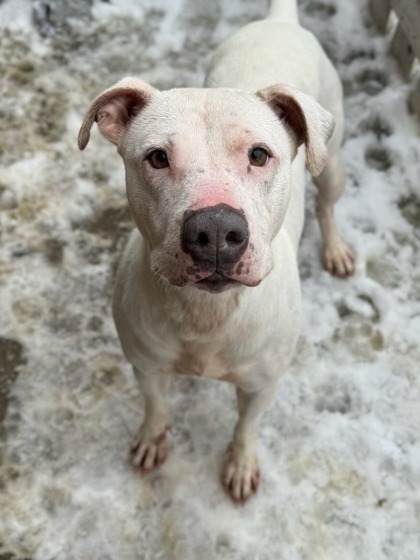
[
  {"x": 194, "y": 360},
  {"x": 202, "y": 323},
  {"x": 200, "y": 317}
]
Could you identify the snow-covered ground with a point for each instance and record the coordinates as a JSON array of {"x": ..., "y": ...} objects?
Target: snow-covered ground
[{"x": 340, "y": 446}]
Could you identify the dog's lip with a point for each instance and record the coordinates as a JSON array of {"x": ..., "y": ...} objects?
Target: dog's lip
[
  {"x": 216, "y": 277},
  {"x": 216, "y": 282}
]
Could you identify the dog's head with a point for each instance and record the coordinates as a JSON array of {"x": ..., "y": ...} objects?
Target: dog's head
[{"x": 209, "y": 172}]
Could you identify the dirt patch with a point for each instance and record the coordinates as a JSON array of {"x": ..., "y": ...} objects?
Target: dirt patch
[
  {"x": 378, "y": 157},
  {"x": 111, "y": 221},
  {"x": 11, "y": 357},
  {"x": 410, "y": 209},
  {"x": 8, "y": 556}
]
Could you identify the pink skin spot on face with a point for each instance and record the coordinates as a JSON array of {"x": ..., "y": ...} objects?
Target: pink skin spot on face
[{"x": 217, "y": 195}]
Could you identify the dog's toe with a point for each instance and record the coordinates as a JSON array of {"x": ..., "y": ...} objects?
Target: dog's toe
[
  {"x": 149, "y": 454},
  {"x": 339, "y": 260},
  {"x": 241, "y": 477}
]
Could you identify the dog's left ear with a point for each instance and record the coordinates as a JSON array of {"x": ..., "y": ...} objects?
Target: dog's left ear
[{"x": 309, "y": 123}]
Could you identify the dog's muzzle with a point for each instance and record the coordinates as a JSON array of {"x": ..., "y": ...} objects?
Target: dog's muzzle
[{"x": 215, "y": 237}]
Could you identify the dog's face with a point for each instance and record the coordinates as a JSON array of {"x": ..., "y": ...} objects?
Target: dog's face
[
  {"x": 208, "y": 184},
  {"x": 208, "y": 174}
]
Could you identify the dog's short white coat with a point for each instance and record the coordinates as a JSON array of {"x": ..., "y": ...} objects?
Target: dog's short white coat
[{"x": 247, "y": 334}]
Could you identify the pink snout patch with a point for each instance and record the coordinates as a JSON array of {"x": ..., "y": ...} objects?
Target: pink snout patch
[{"x": 215, "y": 197}]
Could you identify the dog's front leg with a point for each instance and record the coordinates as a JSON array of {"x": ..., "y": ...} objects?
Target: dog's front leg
[
  {"x": 241, "y": 473},
  {"x": 149, "y": 448}
]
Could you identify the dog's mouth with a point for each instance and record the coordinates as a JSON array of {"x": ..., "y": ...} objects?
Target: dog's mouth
[{"x": 216, "y": 283}]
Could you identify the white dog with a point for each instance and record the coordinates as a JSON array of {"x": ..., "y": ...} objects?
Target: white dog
[{"x": 215, "y": 181}]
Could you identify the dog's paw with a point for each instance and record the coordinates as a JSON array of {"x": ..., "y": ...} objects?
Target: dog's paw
[
  {"x": 240, "y": 476},
  {"x": 339, "y": 259},
  {"x": 148, "y": 453}
]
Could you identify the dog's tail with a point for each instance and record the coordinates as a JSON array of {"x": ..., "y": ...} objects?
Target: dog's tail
[{"x": 285, "y": 10}]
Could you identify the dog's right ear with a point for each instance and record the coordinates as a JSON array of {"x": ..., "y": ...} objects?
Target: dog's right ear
[{"x": 114, "y": 108}]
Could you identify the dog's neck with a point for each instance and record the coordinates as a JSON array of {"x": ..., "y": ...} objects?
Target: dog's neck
[{"x": 197, "y": 312}]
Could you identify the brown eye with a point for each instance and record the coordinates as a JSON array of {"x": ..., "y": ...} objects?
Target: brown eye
[
  {"x": 158, "y": 159},
  {"x": 258, "y": 156}
]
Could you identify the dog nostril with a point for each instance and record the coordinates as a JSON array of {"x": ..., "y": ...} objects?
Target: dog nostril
[
  {"x": 202, "y": 238},
  {"x": 234, "y": 238}
]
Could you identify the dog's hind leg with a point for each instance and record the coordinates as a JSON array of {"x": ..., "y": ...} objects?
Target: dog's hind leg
[{"x": 337, "y": 257}]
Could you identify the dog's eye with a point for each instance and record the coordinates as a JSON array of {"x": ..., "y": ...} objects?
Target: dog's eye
[
  {"x": 258, "y": 156},
  {"x": 158, "y": 159}
]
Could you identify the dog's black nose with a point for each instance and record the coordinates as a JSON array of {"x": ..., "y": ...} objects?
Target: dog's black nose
[{"x": 215, "y": 237}]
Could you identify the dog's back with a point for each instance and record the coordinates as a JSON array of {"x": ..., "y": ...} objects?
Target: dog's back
[{"x": 276, "y": 50}]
